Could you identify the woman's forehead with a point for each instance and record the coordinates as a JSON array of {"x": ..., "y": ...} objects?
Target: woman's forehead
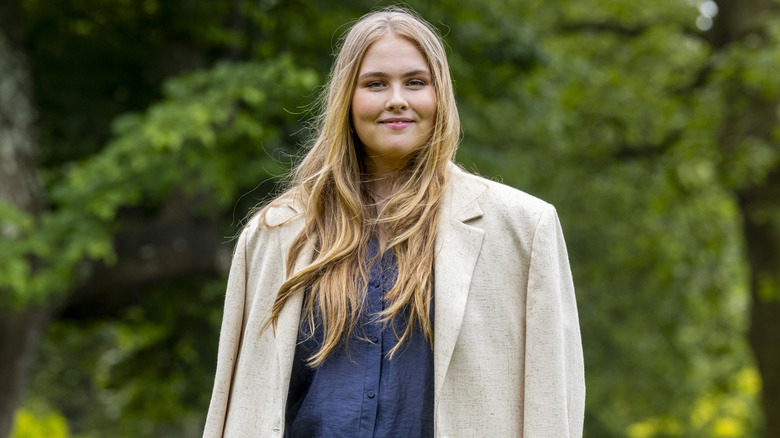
[{"x": 393, "y": 54}]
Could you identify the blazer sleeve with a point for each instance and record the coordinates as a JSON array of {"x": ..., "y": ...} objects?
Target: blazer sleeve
[
  {"x": 554, "y": 369},
  {"x": 229, "y": 341}
]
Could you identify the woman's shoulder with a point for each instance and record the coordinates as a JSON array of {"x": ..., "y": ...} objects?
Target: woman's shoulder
[
  {"x": 496, "y": 195},
  {"x": 278, "y": 215}
]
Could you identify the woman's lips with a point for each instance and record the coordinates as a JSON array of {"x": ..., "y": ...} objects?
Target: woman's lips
[{"x": 396, "y": 123}]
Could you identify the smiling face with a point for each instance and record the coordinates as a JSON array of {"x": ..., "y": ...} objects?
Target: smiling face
[{"x": 394, "y": 103}]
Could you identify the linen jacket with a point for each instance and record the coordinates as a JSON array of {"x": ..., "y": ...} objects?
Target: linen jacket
[{"x": 507, "y": 348}]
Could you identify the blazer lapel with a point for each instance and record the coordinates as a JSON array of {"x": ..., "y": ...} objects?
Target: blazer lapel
[{"x": 457, "y": 248}]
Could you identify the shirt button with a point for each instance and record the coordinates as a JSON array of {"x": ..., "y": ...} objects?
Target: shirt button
[
  {"x": 371, "y": 394},
  {"x": 374, "y": 284},
  {"x": 374, "y": 339}
]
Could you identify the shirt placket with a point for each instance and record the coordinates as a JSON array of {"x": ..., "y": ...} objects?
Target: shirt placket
[{"x": 373, "y": 349}]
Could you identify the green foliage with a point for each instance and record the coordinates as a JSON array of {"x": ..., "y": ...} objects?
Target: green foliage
[
  {"x": 105, "y": 57},
  {"x": 208, "y": 137},
  {"x": 729, "y": 412}
]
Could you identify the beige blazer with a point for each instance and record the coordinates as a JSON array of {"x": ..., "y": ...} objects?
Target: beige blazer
[{"x": 507, "y": 350}]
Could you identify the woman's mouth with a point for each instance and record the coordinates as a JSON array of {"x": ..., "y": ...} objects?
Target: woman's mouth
[{"x": 396, "y": 123}]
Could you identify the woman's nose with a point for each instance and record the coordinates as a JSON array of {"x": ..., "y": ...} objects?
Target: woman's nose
[{"x": 396, "y": 101}]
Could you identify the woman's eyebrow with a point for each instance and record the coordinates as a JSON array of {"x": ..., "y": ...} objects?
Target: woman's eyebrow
[
  {"x": 417, "y": 73},
  {"x": 380, "y": 74}
]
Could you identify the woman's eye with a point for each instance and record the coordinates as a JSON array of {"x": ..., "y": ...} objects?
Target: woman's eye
[
  {"x": 375, "y": 84},
  {"x": 416, "y": 83}
]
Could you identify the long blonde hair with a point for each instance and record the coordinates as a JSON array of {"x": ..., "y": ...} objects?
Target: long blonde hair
[{"x": 340, "y": 216}]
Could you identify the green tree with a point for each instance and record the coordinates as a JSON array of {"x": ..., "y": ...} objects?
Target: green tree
[{"x": 146, "y": 206}]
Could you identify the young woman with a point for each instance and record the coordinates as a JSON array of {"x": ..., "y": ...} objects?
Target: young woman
[{"x": 388, "y": 292}]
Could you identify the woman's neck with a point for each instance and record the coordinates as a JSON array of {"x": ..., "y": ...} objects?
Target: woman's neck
[
  {"x": 382, "y": 176},
  {"x": 379, "y": 190}
]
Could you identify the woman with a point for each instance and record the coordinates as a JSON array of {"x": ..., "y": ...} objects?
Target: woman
[{"x": 388, "y": 292}]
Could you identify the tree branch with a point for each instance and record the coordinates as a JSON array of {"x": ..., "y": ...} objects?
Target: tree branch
[{"x": 149, "y": 253}]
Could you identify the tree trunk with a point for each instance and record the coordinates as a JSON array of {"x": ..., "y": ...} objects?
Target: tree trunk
[
  {"x": 20, "y": 332},
  {"x": 760, "y": 208},
  {"x": 759, "y": 203},
  {"x": 20, "y": 329},
  {"x": 18, "y": 137}
]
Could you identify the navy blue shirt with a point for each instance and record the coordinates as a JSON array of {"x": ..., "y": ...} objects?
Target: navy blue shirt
[{"x": 364, "y": 393}]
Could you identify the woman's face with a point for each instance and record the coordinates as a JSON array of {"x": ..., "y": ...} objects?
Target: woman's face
[{"x": 394, "y": 103}]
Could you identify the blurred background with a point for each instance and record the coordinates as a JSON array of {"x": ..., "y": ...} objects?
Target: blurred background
[{"x": 136, "y": 135}]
